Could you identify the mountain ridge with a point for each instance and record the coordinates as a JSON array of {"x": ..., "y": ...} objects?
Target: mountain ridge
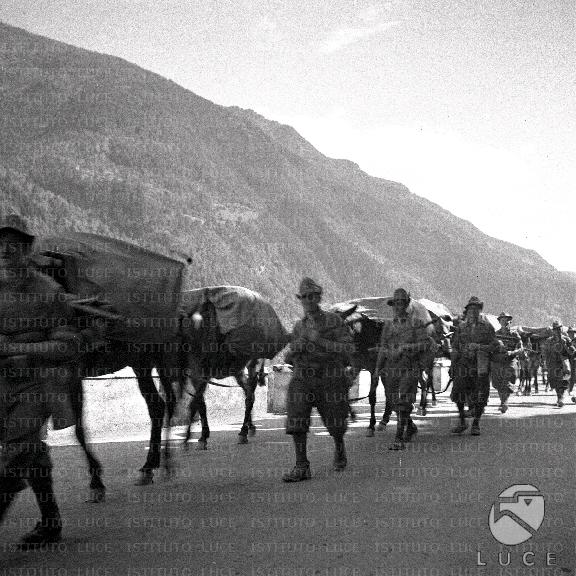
[{"x": 125, "y": 152}]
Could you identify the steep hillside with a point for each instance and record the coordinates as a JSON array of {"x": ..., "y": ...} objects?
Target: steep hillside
[{"x": 91, "y": 142}]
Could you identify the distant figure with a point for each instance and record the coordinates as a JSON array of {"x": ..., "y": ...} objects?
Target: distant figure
[
  {"x": 504, "y": 365},
  {"x": 558, "y": 350},
  {"x": 572, "y": 337},
  {"x": 319, "y": 352},
  {"x": 36, "y": 340},
  {"x": 472, "y": 345},
  {"x": 405, "y": 343}
]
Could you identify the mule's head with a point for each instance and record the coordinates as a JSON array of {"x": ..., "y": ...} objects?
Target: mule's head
[{"x": 366, "y": 331}]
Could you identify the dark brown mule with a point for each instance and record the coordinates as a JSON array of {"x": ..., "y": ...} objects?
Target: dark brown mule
[
  {"x": 366, "y": 333},
  {"x": 116, "y": 356},
  {"x": 215, "y": 355}
]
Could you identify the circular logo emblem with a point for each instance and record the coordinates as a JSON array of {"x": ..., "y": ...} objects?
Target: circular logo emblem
[{"x": 517, "y": 514}]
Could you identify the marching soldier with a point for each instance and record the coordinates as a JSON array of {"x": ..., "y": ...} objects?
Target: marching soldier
[
  {"x": 504, "y": 365},
  {"x": 472, "y": 345},
  {"x": 319, "y": 352},
  {"x": 36, "y": 341},
  {"x": 572, "y": 336},
  {"x": 558, "y": 350},
  {"x": 404, "y": 345}
]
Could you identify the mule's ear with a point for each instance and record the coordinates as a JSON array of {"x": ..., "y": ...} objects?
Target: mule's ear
[{"x": 349, "y": 312}]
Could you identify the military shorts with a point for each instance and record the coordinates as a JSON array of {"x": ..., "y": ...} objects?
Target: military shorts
[
  {"x": 325, "y": 389},
  {"x": 22, "y": 416},
  {"x": 503, "y": 375},
  {"x": 401, "y": 385},
  {"x": 469, "y": 386}
]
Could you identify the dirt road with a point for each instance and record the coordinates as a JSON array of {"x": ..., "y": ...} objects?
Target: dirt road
[{"x": 423, "y": 511}]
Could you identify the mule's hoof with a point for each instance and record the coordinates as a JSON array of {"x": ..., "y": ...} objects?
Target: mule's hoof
[
  {"x": 146, "y": 478},
  {"x": 202, "y": 445},
  {"x": 252, "y": 431},
  {"x": 434, "y": 403},
  {"x": 242, "y": 439},
  {"x": 97, "y": 495},
  {"x": 370, "y": 433},
  {"x": 381, "y": 427}
]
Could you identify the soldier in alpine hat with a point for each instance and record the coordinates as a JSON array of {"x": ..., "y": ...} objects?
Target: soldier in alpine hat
[
  {"x": 572, "y": 336},
  {"x": 319, "y": 352},
  {"x": 558, "y": 350},
  {"x": 37, "y": 339},
  {"x": 405, "y": 344},
  {"x": 504, "y": 366},
  {"x": 473, "y": 342}
]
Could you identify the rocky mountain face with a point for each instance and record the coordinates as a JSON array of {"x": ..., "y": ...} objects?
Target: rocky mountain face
[{"x": 91, "y": 142}]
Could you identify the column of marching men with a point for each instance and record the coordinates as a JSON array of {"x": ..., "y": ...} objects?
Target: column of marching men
[{"x": 39, "y": 344}]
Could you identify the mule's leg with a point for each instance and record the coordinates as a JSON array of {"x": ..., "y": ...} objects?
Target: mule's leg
[
  {"x": 97, "y": 488},
  {"x": 424, "y": 395},
  {"x": 166, "y": 382},
  {"x": 249, "y": 387},
  {"x": 431, "y": 386},
  {"x": 372, "y": 401},
  {"x": 156, "y": 409},
  {"x": 198, "y": 405}
]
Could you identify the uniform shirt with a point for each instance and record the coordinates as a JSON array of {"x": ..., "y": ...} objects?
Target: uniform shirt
[
  {"x": 412, "y": 335},
  {"x": 482, "y": 333},
  {"x": 33, "y": 309},
  {"x": 330, "y": 327},
  {"x": 557, "y": 355}
]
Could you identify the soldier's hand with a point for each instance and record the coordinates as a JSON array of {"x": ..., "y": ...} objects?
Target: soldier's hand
[
  {"x": 298, "y": 345},
  {"x": 312, "y": 335},
  {"x": 393, "y": 352}
]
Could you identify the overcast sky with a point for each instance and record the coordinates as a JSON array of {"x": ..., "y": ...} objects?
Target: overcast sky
[{"x": 470, "y": 103}]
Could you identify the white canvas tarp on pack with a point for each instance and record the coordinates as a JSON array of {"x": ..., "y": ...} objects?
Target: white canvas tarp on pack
[
  {"x": 377, "y": 308},
  {"x": 249, "y": 322}
]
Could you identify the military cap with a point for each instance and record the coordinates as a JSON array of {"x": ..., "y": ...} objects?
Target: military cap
[
  {"x": 556, "y": 324},
  {"x": 505, "y": 315},
  {"x": 474, "y": 301},
  {"x": 308, "y": 286},
  {"x": 399, "y": 294},
  {"x": 17, "y": 223}
]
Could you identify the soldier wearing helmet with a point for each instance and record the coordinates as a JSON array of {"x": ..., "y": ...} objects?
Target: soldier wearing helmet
[{"x": 319, "y": 352}]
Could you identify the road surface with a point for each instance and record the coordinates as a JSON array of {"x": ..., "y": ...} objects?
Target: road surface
[{"x": 423, "y": 511}]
